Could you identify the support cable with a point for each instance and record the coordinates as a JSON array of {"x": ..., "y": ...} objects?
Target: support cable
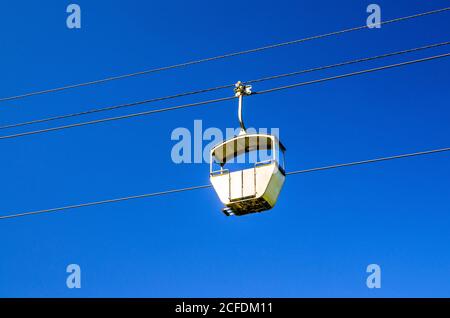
[
  {"x": 276, "y": 89},
  {"x": 211, "y": 89},
  {"x": 161, "y": 193},
  {"x": 220, "y": 57}
]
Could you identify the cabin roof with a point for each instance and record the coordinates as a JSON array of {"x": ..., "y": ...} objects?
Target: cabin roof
[{"x": 242, "y": 144}]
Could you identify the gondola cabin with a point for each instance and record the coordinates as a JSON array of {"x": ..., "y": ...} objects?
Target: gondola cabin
[{"x": 255, "y": 188}]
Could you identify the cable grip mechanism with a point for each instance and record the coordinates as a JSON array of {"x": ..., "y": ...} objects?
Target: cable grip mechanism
[{"x": 240, "y": 91}]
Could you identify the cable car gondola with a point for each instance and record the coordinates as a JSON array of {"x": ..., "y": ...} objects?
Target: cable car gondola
[{"x": 253, "y": 189}]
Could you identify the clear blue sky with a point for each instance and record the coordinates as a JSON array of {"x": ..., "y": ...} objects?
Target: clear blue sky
[{"x": 327, "y": 227}]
